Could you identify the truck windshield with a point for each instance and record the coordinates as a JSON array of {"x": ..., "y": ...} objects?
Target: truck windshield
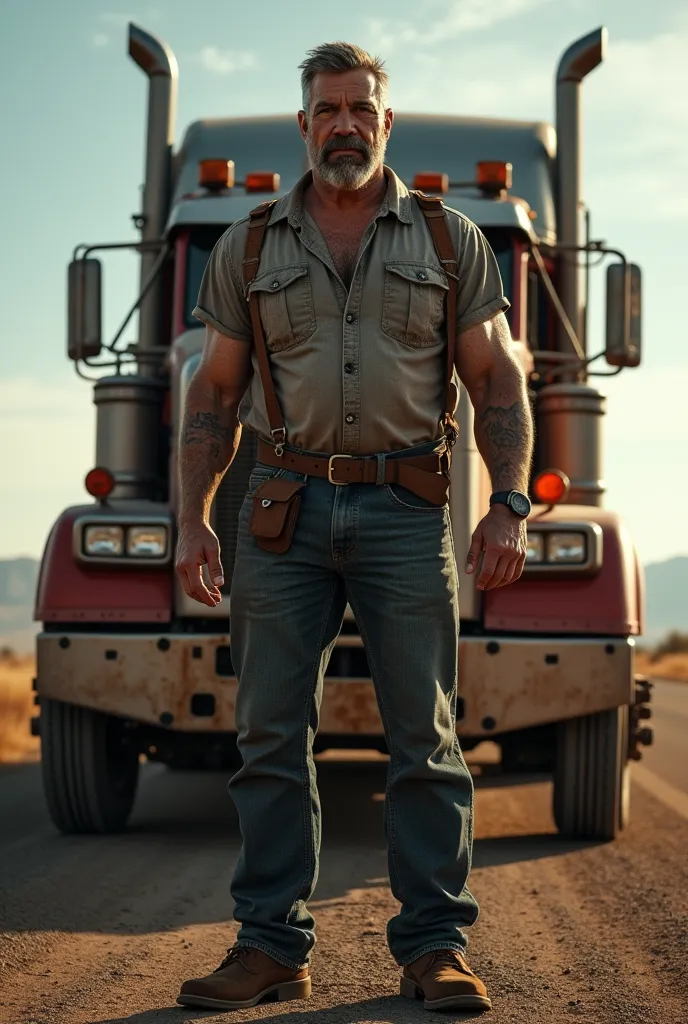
[
  {"x": 503, "y": 248},
  {"x": 200, "y": 247},
  {"x": 203, "y": 239}
]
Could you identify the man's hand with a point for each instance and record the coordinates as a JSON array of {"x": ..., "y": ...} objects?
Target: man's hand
[
  {"x": 198, "y": 545},
  {"x": 501, "y": 536}
]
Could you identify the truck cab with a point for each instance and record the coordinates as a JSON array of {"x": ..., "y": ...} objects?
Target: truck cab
[{"x": 129, "y": 667}]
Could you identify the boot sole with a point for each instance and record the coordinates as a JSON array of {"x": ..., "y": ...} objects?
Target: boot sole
[
  {"x": 410, "y": 990},
  {"x": 274, "y": 994}
]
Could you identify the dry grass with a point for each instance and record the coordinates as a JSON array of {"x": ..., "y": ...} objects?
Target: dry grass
[
  {"x": 16, "y": 709},
  {"x": 667, "y": 666}
]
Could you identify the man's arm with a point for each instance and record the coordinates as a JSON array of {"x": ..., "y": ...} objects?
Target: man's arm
[
  {"x": 209, "y": 439},
  {"x": 504, "y": 434}
]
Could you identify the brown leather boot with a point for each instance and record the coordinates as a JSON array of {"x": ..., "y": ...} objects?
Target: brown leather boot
[
  {"x": 444, "y": 981},
  {"x": 246, "y": 977}
]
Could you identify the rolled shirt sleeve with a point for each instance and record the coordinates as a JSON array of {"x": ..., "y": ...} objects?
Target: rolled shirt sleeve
[
  {"x": 221, "y": 303},
  {"x": 480, "y": 293}
]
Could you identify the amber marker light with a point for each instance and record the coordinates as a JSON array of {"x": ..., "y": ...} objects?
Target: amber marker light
[
  {"x": 431, "y": 182},
  {"x": 551, "y": 486},
  {"x": 493, "y": 175},
  {"x": 262, "y": 181},
  {"x": 99, "y": 482},
  {"x": 216, "y": 174}
]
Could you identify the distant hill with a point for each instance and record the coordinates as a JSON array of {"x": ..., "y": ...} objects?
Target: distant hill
[
  {"x": 18, "y": 581},
  {"x": 666, "y": 589}
]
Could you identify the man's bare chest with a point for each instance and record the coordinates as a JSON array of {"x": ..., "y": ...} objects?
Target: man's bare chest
[{"x": 343, "y": 241}]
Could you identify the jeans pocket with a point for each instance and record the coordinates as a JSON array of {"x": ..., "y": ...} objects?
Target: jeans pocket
[{"x": 405, "y": 499}]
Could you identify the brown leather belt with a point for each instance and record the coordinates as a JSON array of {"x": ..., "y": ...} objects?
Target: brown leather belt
[{"x": 424, "y": 475}]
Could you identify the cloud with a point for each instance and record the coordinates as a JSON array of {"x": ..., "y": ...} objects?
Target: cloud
[
  {"x": 226, "y": 62},
  {"x": 100, "y": 39},
  {"x": 459, "y": 17},
  {"x": 636, "y": 112}
]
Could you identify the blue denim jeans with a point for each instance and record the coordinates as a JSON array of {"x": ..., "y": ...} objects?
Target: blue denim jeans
[{"x": 389, "y": 554}]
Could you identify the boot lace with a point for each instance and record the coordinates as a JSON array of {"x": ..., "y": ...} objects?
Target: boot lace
[
  {"x": 450, "y": 958},
  {"x": 233, "y": 954}
]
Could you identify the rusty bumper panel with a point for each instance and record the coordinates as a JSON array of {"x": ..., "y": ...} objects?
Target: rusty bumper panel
[{"x": 187, "y": 682}]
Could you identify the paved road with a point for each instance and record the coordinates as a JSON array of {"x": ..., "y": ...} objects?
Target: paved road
[{"x": 101, "y": 931}]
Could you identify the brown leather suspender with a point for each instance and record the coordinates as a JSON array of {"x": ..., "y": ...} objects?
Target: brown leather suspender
[
  {"x": 258, "y": 222},
  {"x": 436, "y": 219}
]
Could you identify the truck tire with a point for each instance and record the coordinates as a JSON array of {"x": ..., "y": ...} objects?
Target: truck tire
[
  {"x": 591, "y": 777},
  {"x": 89, "y": 774}
]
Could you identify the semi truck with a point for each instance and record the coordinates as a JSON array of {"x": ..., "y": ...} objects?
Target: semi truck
[{"x": 130, "y": 669}]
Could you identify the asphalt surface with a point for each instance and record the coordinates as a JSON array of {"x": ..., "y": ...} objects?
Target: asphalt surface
[{"x": 103, "y": 930}]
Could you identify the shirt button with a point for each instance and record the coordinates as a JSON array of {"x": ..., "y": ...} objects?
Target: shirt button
[
  {"x": 350, "y": 318},
  {"x": 421, "y": 276},
  {"x": 350, "y": 418},
  {"x": 275, "y": 284},
  {"x": 349, "y": 367}
]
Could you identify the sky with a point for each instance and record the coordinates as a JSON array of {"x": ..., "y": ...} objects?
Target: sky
[{"x": 72, "y": 122}]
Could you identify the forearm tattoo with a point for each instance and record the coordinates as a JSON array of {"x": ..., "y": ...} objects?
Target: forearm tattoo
[{"x": 507, "y": 436}]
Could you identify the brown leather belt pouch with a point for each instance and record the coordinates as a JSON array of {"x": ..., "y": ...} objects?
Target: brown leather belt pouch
[{"x": 276, "y": 506}]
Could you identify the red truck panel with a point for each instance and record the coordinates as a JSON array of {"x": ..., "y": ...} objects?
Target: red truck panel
[
  {"x": 71, "y": 592},
  {"x": 609, "y": 602}
]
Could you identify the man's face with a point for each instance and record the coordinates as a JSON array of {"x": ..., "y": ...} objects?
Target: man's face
[{"x": 346, "y": 129}]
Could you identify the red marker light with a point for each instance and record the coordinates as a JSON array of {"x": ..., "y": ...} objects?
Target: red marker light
[
  {"x": 262, "y": 181},
  {"x": 99, "y": 482},
  {"x": 431, "y": 182},
  {"x": 551, "y": 486}
]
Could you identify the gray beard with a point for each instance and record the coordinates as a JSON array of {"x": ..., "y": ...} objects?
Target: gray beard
[{"x": 348, "y": 172}]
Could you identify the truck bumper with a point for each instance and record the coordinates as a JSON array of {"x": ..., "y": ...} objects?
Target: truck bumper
[{"x": 187, "y": 682}]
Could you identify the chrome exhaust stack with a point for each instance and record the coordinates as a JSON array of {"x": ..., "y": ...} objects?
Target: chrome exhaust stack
[
  {"x": 158, "y": 62},
  {"x": 577, "y": 62}
]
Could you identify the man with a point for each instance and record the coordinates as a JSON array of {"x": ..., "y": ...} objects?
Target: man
[{"x": 350, "y": 298}]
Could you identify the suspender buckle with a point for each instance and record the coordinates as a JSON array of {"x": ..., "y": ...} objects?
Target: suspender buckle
[
  {"x": 279, "y": 441},
  {"x": 337, "y": 483}
]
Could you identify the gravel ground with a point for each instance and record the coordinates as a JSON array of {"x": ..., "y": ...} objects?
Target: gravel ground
[{"x": 102, "y": 930}]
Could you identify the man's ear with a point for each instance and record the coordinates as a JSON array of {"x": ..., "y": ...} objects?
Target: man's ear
[{"x": 303, "y": 123}]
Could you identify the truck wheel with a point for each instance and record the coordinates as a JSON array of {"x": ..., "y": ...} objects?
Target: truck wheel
[
  {"x": 591, "y": 778},
  {"x": 89, "y": 774}
]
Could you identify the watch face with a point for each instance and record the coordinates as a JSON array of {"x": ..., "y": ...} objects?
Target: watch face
[{"x": 519, "y": 503}]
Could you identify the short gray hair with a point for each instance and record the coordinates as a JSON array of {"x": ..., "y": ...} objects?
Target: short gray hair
[{"x": 341, "y": 57}]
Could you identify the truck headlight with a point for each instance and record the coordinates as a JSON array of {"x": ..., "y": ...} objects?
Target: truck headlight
[
  {"x": 535, "y": 551},
  {"x": 147, "y": 541},
  {"x": 103, "y": 540},
  {"x": 566, "y": 548}
]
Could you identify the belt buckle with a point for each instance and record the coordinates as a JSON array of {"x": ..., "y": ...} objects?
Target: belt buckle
[{"x": 337, "y": 483}]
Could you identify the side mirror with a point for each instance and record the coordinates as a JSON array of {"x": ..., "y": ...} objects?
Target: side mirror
[
  {"x": 623, "y": 314},
  {"x": 84, "y": 334}
]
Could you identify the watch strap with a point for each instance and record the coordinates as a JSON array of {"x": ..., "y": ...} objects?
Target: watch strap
[{"x": 500, "y": 498}]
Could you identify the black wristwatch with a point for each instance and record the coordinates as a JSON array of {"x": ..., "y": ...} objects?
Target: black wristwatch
[{"x": 517, "y": 501}]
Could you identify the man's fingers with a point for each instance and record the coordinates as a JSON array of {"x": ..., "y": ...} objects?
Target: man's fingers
[
  {"x": 473, "y": 555},
  {"x": 510, "y": 574},
  {"x": 212, "y": 557},
  {"x": 192, "y": 581},
  {"x": 490, "y": 560},
  {"x": 494, "y": 569}
]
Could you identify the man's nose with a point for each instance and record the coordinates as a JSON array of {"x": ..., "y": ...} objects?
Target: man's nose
[{"x": 345, "y": 124}]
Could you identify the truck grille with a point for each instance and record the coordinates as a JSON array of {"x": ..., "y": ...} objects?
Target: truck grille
[{"x": 228, "y": 502}]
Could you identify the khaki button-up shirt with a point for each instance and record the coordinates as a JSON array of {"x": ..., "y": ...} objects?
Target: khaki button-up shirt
[{"x": 358, "y": 370}]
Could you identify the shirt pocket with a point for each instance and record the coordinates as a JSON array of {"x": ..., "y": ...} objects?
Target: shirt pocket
[
  {"x": 413, "y": 302},
  {"x": 286, "y": 306}
]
